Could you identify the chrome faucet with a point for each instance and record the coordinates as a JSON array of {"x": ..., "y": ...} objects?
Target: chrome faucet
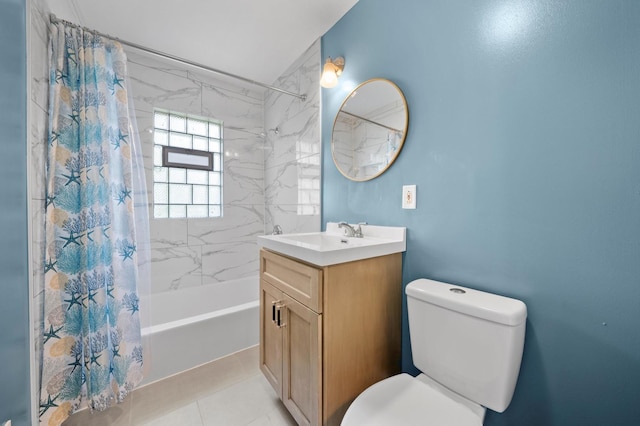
[
  {"x": 350, "y": 231},
  {"x": 277, "y": 230}
]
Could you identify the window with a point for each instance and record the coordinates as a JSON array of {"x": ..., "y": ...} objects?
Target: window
[{"x": 187, "y": 172}]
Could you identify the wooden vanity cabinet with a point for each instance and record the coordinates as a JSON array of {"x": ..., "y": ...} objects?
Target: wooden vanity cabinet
[{"x": 328, "y": 333}]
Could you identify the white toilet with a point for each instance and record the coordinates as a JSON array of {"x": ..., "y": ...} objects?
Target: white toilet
[{"x": 468, "y": 345}]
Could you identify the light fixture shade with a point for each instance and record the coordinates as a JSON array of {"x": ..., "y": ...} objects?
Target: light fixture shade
[
  {"x": 331, "y": 71},
  {"x": 329, "y": 77}
]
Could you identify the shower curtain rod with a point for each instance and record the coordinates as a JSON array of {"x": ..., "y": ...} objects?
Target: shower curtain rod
[{"x": 303, "y": 97}]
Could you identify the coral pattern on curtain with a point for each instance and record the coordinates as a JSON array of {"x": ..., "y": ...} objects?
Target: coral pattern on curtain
[{"x": 92, "y": 352}]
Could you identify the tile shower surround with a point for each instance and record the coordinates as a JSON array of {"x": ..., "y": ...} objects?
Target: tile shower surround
[
  {"x": 192, "y": 252},
  {"x": 292, "y": 155}
]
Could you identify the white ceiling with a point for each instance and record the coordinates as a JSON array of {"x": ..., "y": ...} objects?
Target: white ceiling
[{"x": 256, "y": 39}]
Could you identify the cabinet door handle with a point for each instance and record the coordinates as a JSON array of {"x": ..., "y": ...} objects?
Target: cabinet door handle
[
  {"x": 279, "y": 322},
  {"x": 275, "y": 306}
]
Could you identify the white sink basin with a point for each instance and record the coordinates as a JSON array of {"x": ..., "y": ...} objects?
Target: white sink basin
[{"x": 332, "y": 247}]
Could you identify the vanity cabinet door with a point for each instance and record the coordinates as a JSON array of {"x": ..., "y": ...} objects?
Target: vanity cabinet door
[
  {"x": 271, "y": 335},
  {"x": 302, "y": 362}
]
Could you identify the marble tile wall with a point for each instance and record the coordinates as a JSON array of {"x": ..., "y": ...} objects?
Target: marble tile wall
[
  {"x": 193, "y": 252},
  {"x": 292, "y": 148}
]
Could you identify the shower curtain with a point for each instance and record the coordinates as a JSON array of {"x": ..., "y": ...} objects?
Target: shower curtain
[{"x": 95, "y": 229}]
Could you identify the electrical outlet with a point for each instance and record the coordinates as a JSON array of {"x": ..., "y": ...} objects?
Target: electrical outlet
[{"x": 409, "y": 196}]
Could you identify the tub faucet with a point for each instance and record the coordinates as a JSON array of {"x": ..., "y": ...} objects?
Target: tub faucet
[
  {"x": 277, "y": 230},
  {"x": 350, "y": 230}
]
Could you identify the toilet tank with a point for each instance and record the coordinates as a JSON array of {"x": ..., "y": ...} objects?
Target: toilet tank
[{"x": 467, "y": 340}]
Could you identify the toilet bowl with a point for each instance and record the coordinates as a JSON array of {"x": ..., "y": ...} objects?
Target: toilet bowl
[
  {"x": 468, "y": 345},
  {"x": 406, "y": 400}
]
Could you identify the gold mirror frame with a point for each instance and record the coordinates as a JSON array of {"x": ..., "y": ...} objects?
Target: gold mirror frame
[{"x": 369, "y": 130}]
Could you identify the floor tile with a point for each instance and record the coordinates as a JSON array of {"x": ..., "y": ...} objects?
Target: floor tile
[
  {"x": 185, "y": 416},
  {"x": 240, "y": 404},
  {"x": 159, "y": 399},
  {"x": 279, "y": 416}
]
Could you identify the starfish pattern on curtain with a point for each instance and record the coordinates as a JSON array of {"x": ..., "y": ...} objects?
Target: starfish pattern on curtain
[{"x": 92, "y": 352}]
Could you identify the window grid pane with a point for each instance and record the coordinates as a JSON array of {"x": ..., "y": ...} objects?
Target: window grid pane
[
  {"x": 197, "y": 177},
  {"x": 177, "y": 175},
  {"x": 179, "y": 192},
  {"x": 200, "y": 143},
  {"x": 196, "y": 127},
  {"x": 161, "y": 211},
  {"x": 214, "y": 194},
  {"x": 215, "y": 211},
  {"x": 177, "y": 123},
  {"x": 214, "y": 178},
  {"x": 214, "y": 145},
  {"x": 160, "y": 137},
  {"x": 200, "y": 194},
  {"x": 160, "y": 174},
  {"x": 157, "y": 155},
  {"x": 160, "y": 193},
  {"x": 161, "y": 120},
  {"x": 177, "y": 211},
  {"x": 197, "y": 211},
  {"x": 180, "y": 140},
  {"x": 214, "y": 130}
]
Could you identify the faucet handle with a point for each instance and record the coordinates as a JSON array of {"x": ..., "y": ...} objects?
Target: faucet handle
[{"x": 359, "y": 233}]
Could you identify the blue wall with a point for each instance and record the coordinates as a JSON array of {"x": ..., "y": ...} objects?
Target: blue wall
[
  {"x": 524, "y": 142},
  {"x": 14, "y": 332}
]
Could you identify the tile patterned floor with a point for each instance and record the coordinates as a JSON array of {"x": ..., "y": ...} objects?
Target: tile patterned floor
[{"x": 230, "y": 391}]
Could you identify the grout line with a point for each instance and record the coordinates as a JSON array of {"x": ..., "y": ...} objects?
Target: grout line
[{"x": 199, "y": 412}]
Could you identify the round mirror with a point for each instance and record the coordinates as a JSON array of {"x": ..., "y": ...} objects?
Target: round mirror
[{"x": 369, "y": 129}]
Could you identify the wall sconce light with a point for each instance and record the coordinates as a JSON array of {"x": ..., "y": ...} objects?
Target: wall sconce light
[{"x": 331, "y": 72}]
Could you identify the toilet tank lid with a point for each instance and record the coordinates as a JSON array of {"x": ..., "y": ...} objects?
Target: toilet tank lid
[{"x": 492, "y": 307}]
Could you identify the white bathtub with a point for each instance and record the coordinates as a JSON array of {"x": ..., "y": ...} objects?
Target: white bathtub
[{"x": 192, "y": 326}]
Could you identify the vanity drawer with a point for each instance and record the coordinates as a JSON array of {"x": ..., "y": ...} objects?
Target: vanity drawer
[{"x": 298, "y": 280}]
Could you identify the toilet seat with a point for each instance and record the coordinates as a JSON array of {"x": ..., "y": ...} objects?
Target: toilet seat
[{"x": 405, "y": 400}]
